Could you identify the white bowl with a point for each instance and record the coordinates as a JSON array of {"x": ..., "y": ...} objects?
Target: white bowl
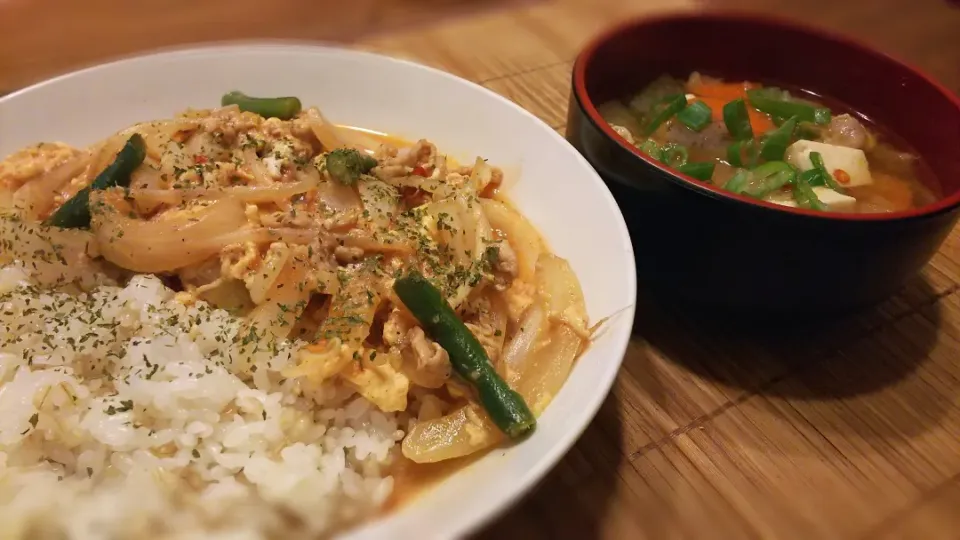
[{"x": 555, "y": 188}]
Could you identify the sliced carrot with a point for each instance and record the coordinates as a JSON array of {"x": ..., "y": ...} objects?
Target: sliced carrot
[
  {"x": 759, "y": 122},
  {"x": 893, "y": 189},
  {"x": 717, "y": 94},
  {"x": 727, "y": 91}
]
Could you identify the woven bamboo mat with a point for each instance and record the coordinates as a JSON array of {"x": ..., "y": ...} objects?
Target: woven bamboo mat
[{"x": 846, "y": 432}]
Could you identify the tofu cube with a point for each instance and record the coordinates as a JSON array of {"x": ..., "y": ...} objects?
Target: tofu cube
[
  {"x": 850, "y": 160},
  {"x": 834, "y": 201}
]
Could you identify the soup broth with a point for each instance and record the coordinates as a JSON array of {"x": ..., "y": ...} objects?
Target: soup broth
[{"x": 777, "y": 144}]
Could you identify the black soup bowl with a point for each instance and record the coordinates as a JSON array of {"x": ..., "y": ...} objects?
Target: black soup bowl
[{"x": 697, "y": 244}]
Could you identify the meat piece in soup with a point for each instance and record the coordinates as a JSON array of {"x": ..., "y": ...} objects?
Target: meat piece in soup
[{"x": 778, "y": 145}]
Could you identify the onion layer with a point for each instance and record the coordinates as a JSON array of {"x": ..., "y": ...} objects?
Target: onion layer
[
  {"x": 166, "y": 244},
  {"x": 247, "y": 194}
]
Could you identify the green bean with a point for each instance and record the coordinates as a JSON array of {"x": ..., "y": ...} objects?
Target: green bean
[
  {"x": 505, "y": 406},
  {"x": 696, "y": 116},
  {"x": 737, "y": 120},
  {"x": 701, "y": 170},
  {"x": 773, "y": 145},
  {"x": 770, "y": 101},
  {"x": 663, "y": 111},
  {"x": 75, "y": 213},
  {"x": 283, "y": 108}
]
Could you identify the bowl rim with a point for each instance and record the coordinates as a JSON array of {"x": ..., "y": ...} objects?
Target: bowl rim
[
  {"x": 586, "y": 57},
  {"x": 619, "y": 324}
]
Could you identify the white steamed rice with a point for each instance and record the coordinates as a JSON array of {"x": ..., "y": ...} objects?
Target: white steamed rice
[{"x": 126, "y": 414}]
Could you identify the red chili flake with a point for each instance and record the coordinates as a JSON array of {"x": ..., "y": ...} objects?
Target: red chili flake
[
  {"x": 841, "y": 176},
  {"x": 200, "y": 158},
  {"x": 412, "y": 196},
  {"x": 419, "y": 171}
]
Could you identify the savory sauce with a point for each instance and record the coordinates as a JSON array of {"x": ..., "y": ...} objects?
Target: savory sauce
[{"x": 779, "y": 144}]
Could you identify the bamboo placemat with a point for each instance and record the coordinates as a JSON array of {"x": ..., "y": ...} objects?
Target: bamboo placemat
[{"x": 845, "y": 432}]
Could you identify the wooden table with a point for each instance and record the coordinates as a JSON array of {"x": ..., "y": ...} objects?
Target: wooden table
[{"x": 852, "y": 431}]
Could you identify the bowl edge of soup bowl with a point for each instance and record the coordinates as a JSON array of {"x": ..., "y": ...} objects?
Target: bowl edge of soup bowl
[{"x": 637, "y": 180}]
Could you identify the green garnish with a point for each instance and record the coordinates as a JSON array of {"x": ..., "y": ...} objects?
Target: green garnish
[
  {"x": 701, "y": 170},
  {"x": 737, "y": 120},
  {"x": 695, "y": 116},
  {"x": 673, "y": 155},
  {"x": 283, "y": 108},
  {"x": 773, "y": 145},
  {"x": 346, "y": 165},
  {"x": 762, "y": 180},
  {"x": 770, "y": 101},
  {"x": 664, "y": 110}
]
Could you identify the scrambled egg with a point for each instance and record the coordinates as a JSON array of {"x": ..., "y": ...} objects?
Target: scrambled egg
[{"x": 32, "y": 161}]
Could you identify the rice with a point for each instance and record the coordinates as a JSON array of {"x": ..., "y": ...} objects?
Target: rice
[{"x": 127, "y": 414}]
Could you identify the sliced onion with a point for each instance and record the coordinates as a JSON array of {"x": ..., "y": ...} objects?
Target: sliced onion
[
  {"x": 6, "y": 199},
  {"x": 518, "y": 348},
  {"x": 285, "y": 300},
  {"x": 174, "y": 159},
  {"x": 326, "y": 132},
  {"x": 261, "y": 281},
  {"x": 338, "y": 198},
  {"x": 204, "y": 144},
  {"x": 380, "y": 200},
  {"x": 559, "y": 291},
  {"x": 248, "y": 194},
  {"x": 521, "y": 234},
  {"x": 545, "y": 370},
  {"x": 167, "y": 244},
  {"x": 465, "y": 231},
  {"x": 261, "y": 176},
  {"x": 440, "y": 188},
  {"x": 149, "y": 179},
  {"x": 157, "y": 136},
  {"x": 35, "y": 199},
  {"x": 361, "y": 139},
  {"x": 482, "y": 175},
  {"x": 384, "y": 242},
  {"x": 460, "y": 433}
]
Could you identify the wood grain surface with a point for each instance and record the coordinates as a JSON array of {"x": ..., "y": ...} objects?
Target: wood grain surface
[{"x": 846, "y": 429}]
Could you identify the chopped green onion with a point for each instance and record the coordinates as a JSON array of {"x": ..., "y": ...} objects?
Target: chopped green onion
[
  {"x": 650, "y": 148},
  {"x": 821, "y": 115},
  {"x": 696, "y": 116},
  {"x": 674, "y": 155},
  {"x": 769, "y": 177},
  {"x": 774, "y": 143},
  {"x": 813, "y": 177},
  {"x": 737, "y": 120},
  {"x": 825, "y": 177},
  {"x": 663, "y": 111},
  {"x": 743, "y": 153},
  {"x": 701, "y": 170},
  {"x": 737, "y": 182},
  {"x": 763, "y": 180},
  {"x": 805, "y": 196},
  {"x": 765, "y": 100}
]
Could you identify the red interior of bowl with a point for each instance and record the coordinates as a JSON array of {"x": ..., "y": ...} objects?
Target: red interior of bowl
[{"x": 751, "y": 47}]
